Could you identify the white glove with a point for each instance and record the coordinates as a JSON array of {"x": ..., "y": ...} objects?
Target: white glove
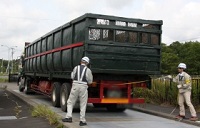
[
  {"x": 169, "y": 76},
  {"x": 185, "y": 86},
  {"x": 179, "y": 86}
]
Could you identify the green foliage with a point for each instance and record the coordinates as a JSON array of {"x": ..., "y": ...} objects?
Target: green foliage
[
  {"x": 4, "y": 64},
  {"x": 176, "y": 53},
  {"x": 165, "y": 91},
  {"x": 162, "y": 91}
]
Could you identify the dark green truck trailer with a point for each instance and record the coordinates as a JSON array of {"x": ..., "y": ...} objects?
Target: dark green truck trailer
[{"x": 123, "y": 53}]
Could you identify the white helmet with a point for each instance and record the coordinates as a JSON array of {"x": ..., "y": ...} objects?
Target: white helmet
[
  {"x": 86, "y": 59},
  {"x": 182, "y": 65}
]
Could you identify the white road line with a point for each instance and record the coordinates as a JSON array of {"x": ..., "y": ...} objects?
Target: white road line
[{"x": 7, "y": 118}]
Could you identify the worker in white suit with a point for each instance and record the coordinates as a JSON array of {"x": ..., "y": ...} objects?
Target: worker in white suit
[
  {"x": 82, "y": 77},
  {"x": 183, "y": 81}
]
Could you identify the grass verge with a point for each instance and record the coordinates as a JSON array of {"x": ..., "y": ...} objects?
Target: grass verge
[
  {"x": 3, "y": 80},
  {"x": 44, "y": 112}
]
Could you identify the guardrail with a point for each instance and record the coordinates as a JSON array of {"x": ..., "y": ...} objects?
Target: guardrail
[{"x": 166, "y": 90}]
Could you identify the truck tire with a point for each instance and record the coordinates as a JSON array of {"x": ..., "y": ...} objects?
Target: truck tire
[
  {"x": 27, "y": 86},
  {"x": 115, "y": 108},
  {"x": 21, "y": 88},
  {"x": 64, "y": 95},
  {"x": 55, "y": 95},
  {"x": 21, "y": 84}
]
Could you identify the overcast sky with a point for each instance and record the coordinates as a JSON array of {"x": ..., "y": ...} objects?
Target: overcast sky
[{"x": 26, "y": 20}]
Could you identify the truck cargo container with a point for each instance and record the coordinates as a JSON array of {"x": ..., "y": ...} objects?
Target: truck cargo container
[{"x": 124, "y": 52}]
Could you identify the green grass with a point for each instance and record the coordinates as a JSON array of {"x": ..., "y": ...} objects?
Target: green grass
[
  {"x": 3, "y": 80},
  {"x": 44, "y": 112}
]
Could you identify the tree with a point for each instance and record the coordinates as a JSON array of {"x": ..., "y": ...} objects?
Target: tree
[
  {"x": 176, "y": 53},
  {"x": 168, "y": 61}
]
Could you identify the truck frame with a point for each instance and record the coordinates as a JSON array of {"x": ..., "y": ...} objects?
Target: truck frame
[{"x": 124, "y": 52}]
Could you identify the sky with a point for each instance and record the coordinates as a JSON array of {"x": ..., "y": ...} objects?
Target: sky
[{"x": 27, "y": 20}]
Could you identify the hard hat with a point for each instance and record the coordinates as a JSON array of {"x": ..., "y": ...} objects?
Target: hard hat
[
  {"x": 182, "y": 65},
  {"x": 86, "y": 59}
]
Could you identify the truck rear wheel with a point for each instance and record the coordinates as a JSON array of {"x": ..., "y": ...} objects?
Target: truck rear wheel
[
  {"x": 55, "y": 95},
  {"x": 64, "y": 95}
]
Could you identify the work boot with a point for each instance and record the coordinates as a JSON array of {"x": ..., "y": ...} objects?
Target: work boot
[
  {"x": 180, "y": 117},
  {"x": 82, "y": 123},
  {"x": 69, "y": 120},
  {"x": 193, "y": 118}
]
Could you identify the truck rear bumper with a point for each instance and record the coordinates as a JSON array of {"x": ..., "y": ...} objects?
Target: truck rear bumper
[{"x": 117, "y": 100}]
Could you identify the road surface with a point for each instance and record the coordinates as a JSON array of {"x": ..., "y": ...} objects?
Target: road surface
[{"x": 100, "y": 118}]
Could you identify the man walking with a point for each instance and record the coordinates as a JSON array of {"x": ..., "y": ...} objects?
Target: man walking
[
  {"x": 183, "y": 81},
  {"x": 82, "y": 77}
]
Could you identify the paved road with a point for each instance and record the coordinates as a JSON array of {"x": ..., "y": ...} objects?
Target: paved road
[
  {"x": 14, "y": 113},
  {"x": 100, "y": 118}
]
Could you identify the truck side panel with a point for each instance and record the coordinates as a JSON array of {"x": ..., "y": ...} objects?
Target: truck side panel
[{"x": 61, "y": 50}]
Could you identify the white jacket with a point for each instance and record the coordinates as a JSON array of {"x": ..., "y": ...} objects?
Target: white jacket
[{"x": 184, "y": 82}]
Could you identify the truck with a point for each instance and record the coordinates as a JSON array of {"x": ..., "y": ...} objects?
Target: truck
[{"x": 123, "y": 52}]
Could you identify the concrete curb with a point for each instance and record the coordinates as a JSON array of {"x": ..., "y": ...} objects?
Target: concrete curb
[{"x": 164, "y": 115}]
